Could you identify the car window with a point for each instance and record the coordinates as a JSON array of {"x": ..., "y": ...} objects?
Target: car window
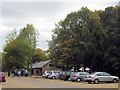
[
  {"x": 99, "y": 74},
  {"x": 72, "y": 72},
  {"x": 106, "y": 74},
  {"x": 47, "y": 72},
  {"x": 81, "y": 73},
  {"x": 86, "y": 73}
]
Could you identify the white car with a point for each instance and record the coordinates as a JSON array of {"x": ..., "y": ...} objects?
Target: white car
[
  {"x": 45, "y": 74},
  {"x": 101, "y": 77},
  {"x": 54, "y": 74}
]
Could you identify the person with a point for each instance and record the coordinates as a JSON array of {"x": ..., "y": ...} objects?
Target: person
[
  {"x": 22, "y": 72},
  {"x": 87, "y": 69},
  {"x": 8, "y": 73},
  {"x": 16, "y": 72},
  {"x": 19, "y": 73},
  {"x": 26, "y": 73},
  {"x": 72, "y": 69},
  {"x": 81, "y": 69},
  {"x": 12, "y": 72}
]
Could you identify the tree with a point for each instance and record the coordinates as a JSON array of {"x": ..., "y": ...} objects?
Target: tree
[
  {"x": 29, "y": 35},
  {"x": 88, "y": 38},
  {"x": 19, "y": 48},
  {"x": 73, "y": 36},
  {"x": 39, "y": 55},
  {"x": 110, "y": 20}
]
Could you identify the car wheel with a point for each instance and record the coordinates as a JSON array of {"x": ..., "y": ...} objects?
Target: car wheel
[
  {"x": 89, "y": 82},
  {"x": 115, "y": 80},
  {"x": 78, "y": 80},
  {"x": 53, "y": 77},
  {"x": 96, "y": 81},
  {"x": 64, "y": 79}
]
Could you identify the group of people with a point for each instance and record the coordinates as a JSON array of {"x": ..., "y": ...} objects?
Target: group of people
[
  {"x": 19, "y": 73},
  {"x": 81, "y": 69}
]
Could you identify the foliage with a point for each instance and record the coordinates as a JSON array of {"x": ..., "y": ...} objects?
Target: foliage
[
  {"x": 19, "y": 48},
  {"x": 88, "y": 38},
  {"x": 39, "y": 55}
]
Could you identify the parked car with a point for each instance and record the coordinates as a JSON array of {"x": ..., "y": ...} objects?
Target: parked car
[
  {"x": 45, "y": 74},
  {"x": 54, "y": 74},
  {"x": 101, "y": 77},
  {"x": 78, "y": 76},
  {"x": 65, "y": 75},
  {"x": 2, "y": 77}
]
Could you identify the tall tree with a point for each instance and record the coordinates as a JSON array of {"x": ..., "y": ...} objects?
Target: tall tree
[
  {"x": 88, "y": 38},
  {"x": 19, "y": 48}
]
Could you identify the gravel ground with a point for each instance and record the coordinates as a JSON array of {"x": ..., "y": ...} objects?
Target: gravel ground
[{"x": 33, "y": 82}]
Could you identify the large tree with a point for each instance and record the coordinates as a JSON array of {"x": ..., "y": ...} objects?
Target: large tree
[
  {"x": 89, "y": 38},
  {"x": 20, "y": 47}
]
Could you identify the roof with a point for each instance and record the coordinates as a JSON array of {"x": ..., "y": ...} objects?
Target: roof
[{"x": 40, "y": 64}]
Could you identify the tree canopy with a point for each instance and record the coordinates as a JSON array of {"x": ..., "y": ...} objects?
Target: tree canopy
[
  {"x": 20, "y": 47},
  {"x": 88, "y": 38}
]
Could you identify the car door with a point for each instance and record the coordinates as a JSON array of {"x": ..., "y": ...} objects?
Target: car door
[
  {"x": 107, "y": 77},
  {"x": 82, "y": 75},
  {"x": 99, "y": 76}
]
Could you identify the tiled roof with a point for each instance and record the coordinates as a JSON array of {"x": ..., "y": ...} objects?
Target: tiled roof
[{"x": 40, "y": 64}]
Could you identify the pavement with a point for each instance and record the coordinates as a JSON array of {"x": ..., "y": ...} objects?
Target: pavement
[{"x": 39, "y": 82}]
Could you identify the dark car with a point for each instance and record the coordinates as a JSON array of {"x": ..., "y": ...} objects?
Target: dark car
[
  {"x": 2, "y": 77},
  {"x": 65, "y": 75}
]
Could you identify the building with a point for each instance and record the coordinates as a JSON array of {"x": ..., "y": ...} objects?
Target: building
[{"x": 39, "y": 67}]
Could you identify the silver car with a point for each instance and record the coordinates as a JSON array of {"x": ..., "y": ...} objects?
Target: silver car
[
  {"x": 78, "y": 76},
  {"x": 101, "y": 77},
  {"x": 54, "y": 74},
  {"x": 46, "y": 74}
]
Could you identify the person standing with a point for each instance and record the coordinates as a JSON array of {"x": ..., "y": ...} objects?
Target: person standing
[
  {"x": 22, "y": 72},
  {"x": 19, "y": 73},
  {"x": 26, "y": 73},
  {"x": 12, "y": 72},
  {"x": 8, "y": 73}
]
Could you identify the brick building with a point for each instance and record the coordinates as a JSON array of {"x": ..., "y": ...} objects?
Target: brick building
[{"x": 39, "y": 67}]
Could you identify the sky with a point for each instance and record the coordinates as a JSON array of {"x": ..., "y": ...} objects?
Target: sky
[{"x": 16, "y": 14}]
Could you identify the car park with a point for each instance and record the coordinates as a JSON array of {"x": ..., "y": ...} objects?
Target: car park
[
  {"x": 101, "y": 77},
  {"x": 2, "y": 77},
  {"x": 45, "y": 74},
  {"x": 54, "y": 74},
  {"x": 78, "y": 76}
]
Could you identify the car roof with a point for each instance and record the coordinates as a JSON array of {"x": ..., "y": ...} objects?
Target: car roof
[{"x": 99, "y": 72}]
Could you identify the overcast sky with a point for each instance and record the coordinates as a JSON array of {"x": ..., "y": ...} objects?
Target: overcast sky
[{"x": 43, "y": 15}]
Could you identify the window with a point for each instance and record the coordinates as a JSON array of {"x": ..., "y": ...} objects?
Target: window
[
  {"x": 81, "y": 73},
  {"x": 106, "y": 74},
  {"x": 99, "y": 74}
]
